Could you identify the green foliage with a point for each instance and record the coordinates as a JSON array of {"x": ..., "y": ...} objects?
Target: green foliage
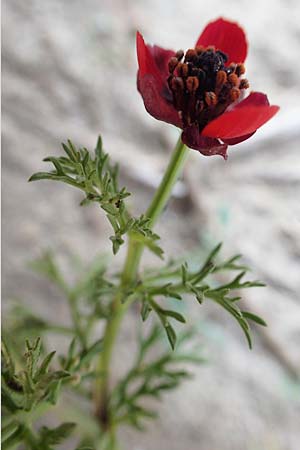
[
  {"x": 45, "y": 439},
  {"x": 76, "y": 360},
  {"x": 151, "y": 376},
  {"x": 36, "y": 387},
  {"x": 196, "y": 284},
  {"x": 25, "y": 389},
  {"x": 49, "y": 437},
  {"x": 98, "y": 179}
]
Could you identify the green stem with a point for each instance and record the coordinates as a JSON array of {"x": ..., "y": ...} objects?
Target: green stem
[
  {"x": 156, "y": 207},
  {"x": 170, "y": 177},
  {"x": 129, "y": 273}
]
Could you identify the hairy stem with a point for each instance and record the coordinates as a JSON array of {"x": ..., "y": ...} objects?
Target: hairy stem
[{"x": 129, "y": 274}]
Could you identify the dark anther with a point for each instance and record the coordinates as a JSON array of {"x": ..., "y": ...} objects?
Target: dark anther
[
  {"x": 183, "y": 70},
  {"x": 192, "y": 84},
  {"x": 179, "y": 55},
  {"x": 190, "y": 55},
  {"x": 195, "y": 71},
  {"x": 240, "y": 70},
  {"x": 201, "y": 76},
  {"x": 231, "y": 68},
  {"x": 172, "y": 64},
  {"x": 222, "y": 55},
  {"x": 202, "y": 86},
  {"x": 211, "y": 61},
  {"x": 233, "y": 79},
  {"x": 199, "y": 49},
  {"x": 221, "y": 78},
  {"x": 244, "y": 84},
  {"x": 234, "y": 94},
  {"x": 210, "y": 98},
  {"x": 177, "y": 84},
  {"x": 177, "y": 87},
  {"x": 199, "y": 106}
]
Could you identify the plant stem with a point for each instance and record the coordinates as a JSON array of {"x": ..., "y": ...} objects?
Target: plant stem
[
  {"x": 159, "y": 201},
  {"x": 134, "y": 253},
  {"x": 164, "y": 190}
]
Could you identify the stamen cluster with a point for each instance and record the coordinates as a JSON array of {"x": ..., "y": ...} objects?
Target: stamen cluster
[{"x": 202, "y": 85}]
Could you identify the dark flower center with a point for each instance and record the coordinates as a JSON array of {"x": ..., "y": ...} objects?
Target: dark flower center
[{"x": 202, "y": 85}]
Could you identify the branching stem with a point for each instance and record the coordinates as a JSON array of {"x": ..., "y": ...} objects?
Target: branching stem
[{"x": 134, "y": 253}]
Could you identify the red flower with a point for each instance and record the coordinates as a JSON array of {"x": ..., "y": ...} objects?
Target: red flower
[{"x": 203, "y": 90}]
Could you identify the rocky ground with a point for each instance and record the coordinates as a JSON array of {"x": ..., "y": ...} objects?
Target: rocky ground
[{"x": 69, "y": 71}]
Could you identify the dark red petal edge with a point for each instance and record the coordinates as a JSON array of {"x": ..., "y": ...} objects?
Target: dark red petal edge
[
  {"x": 226, "y": 36},
  {"x": 155, "y": 103},
  {"x": 238, "y": 140},
  {"x": 161, "y": 57},
  {"x": 152, "y": 84},
  {"x": 205, "y": 145}
]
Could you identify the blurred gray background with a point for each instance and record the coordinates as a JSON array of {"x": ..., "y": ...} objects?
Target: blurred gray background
[{"x": 69, "y": 70}]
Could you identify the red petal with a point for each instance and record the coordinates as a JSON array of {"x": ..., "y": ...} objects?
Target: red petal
[
  {"x": 226, "y": 36},
  {"x": 152, "y": 82},
  {"x": 147, "y": 65},
  {"x": 205, "y": 145},
  {"x": 244, "y": 119},
  {"x": 253, "y": 99},
  {"x": 155, "y": 103}
]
